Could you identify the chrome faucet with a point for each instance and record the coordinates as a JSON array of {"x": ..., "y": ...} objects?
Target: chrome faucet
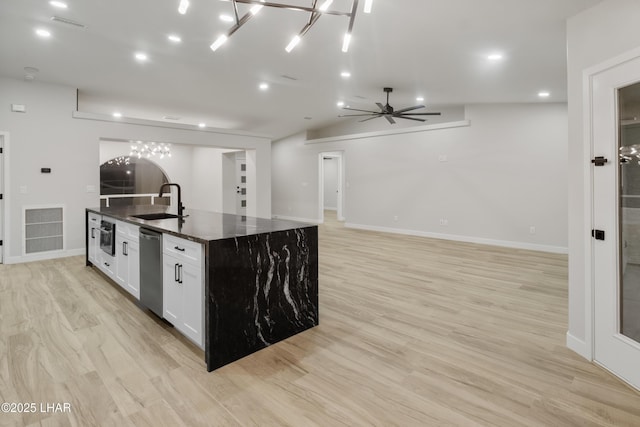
[{"x": 180, "y": 207}]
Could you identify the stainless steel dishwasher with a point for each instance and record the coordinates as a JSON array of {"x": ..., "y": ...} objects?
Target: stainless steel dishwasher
[{"x": 151, "y": 270}]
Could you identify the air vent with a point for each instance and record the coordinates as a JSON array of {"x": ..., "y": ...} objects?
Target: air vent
[
  {"x": 284, "y": 76},
  {"x": 43, "y": 229},
  {"x": 68, "y": 22}
]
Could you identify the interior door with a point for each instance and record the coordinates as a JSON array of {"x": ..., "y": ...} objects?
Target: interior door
[
  {"x": 616, "y": 219},
  {"x": 241, "y": 185}
]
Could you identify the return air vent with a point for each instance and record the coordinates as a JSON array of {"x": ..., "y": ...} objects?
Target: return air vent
[{"x": 43, "y": 229}]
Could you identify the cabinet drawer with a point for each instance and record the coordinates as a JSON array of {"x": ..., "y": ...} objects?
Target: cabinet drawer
[
  {"x": 94, "y": 219},
  {"x": 183, "y": 249},
  {"x": 128, "y": 231}
]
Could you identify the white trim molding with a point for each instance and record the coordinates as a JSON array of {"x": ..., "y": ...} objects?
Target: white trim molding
[
  {"x": 413, "y": 129},
  {"x": 467, "y": 239},
  {"x": 579, "y": 346},
  {"x": 44, "y": 256}
]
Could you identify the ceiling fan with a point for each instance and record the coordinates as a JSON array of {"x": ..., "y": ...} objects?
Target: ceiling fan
[{"x": 388, "y": 112}]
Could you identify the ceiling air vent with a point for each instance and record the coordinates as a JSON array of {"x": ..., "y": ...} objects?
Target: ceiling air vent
[{"x": 68, "y": 22}]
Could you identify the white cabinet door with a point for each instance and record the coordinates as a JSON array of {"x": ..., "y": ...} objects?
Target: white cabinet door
[
  {"x": 133, "y": 285},
  {"x": 191, "y": 323},
  {"x": 93, "y": 230},
  {"x": 171, "y": 290},
  {"x": 122, "y": 262}
]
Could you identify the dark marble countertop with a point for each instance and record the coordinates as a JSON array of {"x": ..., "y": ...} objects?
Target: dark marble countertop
[{"x": 200, "y": 226}]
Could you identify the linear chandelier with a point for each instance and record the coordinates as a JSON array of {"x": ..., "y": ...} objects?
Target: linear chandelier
[{"x": 317, "y": 9}]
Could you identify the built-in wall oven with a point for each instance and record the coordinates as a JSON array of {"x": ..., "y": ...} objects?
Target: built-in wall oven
[{"x": 108, "y": 237}]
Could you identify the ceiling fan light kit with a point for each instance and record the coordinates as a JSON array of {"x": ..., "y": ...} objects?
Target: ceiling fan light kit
[{"x": 388, "y": 112}]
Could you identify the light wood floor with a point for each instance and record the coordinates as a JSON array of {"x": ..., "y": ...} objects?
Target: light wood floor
[{"x": 413, "y": 332}]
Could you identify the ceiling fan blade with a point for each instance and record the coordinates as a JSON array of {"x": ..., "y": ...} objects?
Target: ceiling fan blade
[
  {"x": 390, "y": 119},
  {"x": 364, "y": 111},
  {"x": 422, "y": 114},
  {"x": 358, "y": 115},
  {"x": 415, "y": 107},
  {"x": 381, "y": 106},
  {"x": 410, "y": 118},
  {"x": 370, "y": 118}
]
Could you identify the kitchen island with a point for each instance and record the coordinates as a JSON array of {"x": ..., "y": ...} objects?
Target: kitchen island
[{"x": 259, "y": 277}]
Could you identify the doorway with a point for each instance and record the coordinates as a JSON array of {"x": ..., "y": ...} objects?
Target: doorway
[
  {"x": 241, "y": 183},
  {"x": 616, "y": 219},
  {"x": 331, "y": 185}
]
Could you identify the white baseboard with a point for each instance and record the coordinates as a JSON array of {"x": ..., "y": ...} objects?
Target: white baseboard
[
  {"x": 44, "y": 256},
  {"x": 468, "y": 239},
  {"x": 293, "y": 218},
  {"x": 579, "y": 346}
]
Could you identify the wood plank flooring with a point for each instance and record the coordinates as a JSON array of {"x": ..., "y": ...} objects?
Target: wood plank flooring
[{"x": 413, "y": 332}]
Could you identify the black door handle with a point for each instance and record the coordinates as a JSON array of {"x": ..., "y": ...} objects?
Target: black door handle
[{"x": 175, "y": 272}]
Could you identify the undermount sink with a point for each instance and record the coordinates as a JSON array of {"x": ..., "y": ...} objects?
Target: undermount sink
[{"x": 160, "y": 215}]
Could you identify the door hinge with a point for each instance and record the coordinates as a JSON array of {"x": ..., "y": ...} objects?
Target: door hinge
[
  {"x": 0, "y": 196},
  {"x": 599, "y": 161},
  {"x": 0, "y": 150},
  {"x": 0, "y": 242},
  {"x": 597, "y": 234}
]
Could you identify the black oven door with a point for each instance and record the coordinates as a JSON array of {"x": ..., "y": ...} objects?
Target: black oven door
[{"x": 108, "y": 237}]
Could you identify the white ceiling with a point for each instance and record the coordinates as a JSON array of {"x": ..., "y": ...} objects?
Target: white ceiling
[{"x": 434, "y": 48}]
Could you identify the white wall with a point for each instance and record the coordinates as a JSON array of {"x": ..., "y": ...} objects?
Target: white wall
[
  {"x": 504, "y": 174},
  {"x": 330, "y": 165},
  {"x": 594, "y": 36},
  {"x": 48, "y": 136}
]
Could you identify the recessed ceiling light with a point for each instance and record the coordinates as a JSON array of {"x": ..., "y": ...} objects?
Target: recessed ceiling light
[
  {"x": 58, "y": 4},
  {"x": 340, "y": 103},
  {"x": 174, "y": 38},
  {"x": 202, "y": 125},
  {"x": 226, "y": 18},
  {"x": 140, "y": 56},
  {"x": 495, "y": 57},
  {"x": 117, "y": 115},
  {"x": 420, "y": 98},
  {"x": 43, "y": 33},
  {"x": 544, "y": 94},
  {"x": 345, "y": 74},
  {"x": 263, "y": 86}
]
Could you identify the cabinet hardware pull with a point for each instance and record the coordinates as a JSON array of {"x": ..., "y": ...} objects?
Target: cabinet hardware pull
[
  {"x": 125, "y": 248},
  {"x": 107, "y": 264},
  {"x": 180, "y": 275},
  {"x": 92, "y": 234},
  {"x": 175, "y": 272},
  {"x": 178, "y": 248}
]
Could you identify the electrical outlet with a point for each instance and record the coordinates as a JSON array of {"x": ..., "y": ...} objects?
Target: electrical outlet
[
  {"x": 395, "y": 217},
  {"x": 442, "y": 158},
  {"x": 444, "y": 222},
  {"x": 91, "y": 188},
  {"x": 532, "y": 229},
  {"x": 23, "y": 189}
]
